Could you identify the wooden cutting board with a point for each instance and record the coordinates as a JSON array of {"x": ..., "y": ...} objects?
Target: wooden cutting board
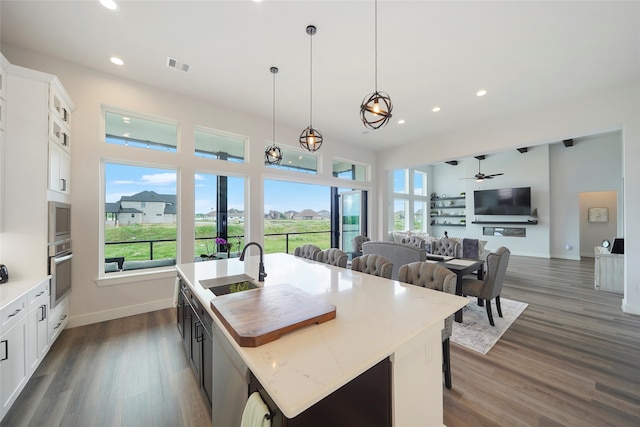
[{"x": 262, "y": 315}]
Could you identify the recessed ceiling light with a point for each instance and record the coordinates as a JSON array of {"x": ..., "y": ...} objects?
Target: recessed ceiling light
[
  {"x": 435, "y": 109},
  {"x": 481, "y": 92},
  {"x": 126, "y": 134},
  {"x": 116, "y": 60},
  {"x": 109, "y": 4},
  {"x": 401, "y": 121}
]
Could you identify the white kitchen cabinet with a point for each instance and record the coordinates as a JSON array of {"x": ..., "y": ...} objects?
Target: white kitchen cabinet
[
  {"x": 58, "y": 319},
  {"x": 59, "y": 168},
  {"x": 13, "y": 369},
  {"x": 38, "y": 326}
]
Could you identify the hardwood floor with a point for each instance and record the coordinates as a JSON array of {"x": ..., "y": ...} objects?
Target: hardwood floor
[{"x": 571, "y": 359}]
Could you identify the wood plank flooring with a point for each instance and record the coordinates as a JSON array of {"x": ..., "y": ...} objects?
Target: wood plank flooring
[{"x": 571, "y": 359}]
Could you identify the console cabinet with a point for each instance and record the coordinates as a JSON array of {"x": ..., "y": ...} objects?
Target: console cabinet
[{"x": 609, "y": 271}]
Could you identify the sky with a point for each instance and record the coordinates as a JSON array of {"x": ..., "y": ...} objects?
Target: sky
[{"x": 279, "y": 195}]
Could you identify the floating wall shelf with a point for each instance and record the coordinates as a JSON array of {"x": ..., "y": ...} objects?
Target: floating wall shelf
[{"x": 506, "y": 222}]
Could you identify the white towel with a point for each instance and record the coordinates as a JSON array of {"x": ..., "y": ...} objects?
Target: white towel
[
  {"x": 255, "y": 413},
  {"x": 176, "y": 291}
]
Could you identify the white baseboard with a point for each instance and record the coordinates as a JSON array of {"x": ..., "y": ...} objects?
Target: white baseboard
[{"x": 131, "y": 310}]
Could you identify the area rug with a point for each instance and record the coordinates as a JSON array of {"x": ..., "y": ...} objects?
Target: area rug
[{"x": 476, "y": 333}]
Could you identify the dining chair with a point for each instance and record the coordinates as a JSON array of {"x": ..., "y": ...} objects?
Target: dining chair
[
  {"x": 376, "y": 265},
  {"x": 415, "y": 241},
  {"x": 307, "y": 251},
  {"x": 332, "y": 256},
  {"x": 356, "y": 244},
  {"x": 432, "y": 276},
  {"x": 491, "y": 285}
]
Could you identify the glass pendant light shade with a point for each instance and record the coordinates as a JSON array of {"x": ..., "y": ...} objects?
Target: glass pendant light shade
[
  {"x": 273, "y": 153},
  {"x": 311, "y": 138},
  {"x": 375, "y": 110}
]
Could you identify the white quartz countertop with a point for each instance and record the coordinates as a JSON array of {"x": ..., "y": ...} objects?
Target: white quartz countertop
[
  {"x": 16, "y": 288},
  {"x": 375, "y": 317}
]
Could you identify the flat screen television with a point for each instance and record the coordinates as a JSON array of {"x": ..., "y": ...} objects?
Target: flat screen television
[{"x": 502, "y": 201}]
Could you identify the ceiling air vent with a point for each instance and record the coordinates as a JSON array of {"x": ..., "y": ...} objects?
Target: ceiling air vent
[{"x": 174, "y": 63}]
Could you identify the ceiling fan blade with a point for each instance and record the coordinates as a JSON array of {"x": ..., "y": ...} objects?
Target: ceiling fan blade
[{"x": 493, "y": 175}]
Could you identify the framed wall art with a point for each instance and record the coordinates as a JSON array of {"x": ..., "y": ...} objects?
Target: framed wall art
[{"x": 598, "y": 215}]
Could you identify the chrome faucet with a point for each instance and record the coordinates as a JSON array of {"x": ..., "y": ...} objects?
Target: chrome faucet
[{"x": 261, "y": 273}]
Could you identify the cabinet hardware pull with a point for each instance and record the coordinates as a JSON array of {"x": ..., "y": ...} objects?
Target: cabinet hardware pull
[
  {"x": 6, "y": 350},
  {"x": 40, "y": 293},
  {"x": 57, "y": 326},
  {"x": 65, "y": 139},
  {"x": 14, "y": 313},
  {"x": 63, "y": 317},
  {"x": 43, "y": 312},
  {"x": 65, "y": 115},
  {"x": 63, "y": 187}
]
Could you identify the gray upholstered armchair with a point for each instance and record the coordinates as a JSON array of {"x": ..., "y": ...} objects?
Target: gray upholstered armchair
[
  {"x": 356, "y": 244},
  {"x": 433, "y": 276},
  {"x": 376, "y": 265},
  {"x": 415, "y": 241},
  {"x": 491, "y": 287},
  {"x": 332, "y": 256},
  {"x": 307, "y": 251},
  {"x": 445, "y": 247}
]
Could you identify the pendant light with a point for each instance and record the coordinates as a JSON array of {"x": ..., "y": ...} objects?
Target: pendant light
[
  {"x": 273, "y": 153},
  {"x": 310, "y": 138},
  {"x": 375, "y": 110}
]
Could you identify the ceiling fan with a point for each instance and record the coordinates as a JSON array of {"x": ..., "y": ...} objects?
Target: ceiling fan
[{"x": 480, "y": 176}]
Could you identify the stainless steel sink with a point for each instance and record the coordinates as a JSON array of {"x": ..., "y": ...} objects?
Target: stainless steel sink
[{"x": 229, "y": 285}]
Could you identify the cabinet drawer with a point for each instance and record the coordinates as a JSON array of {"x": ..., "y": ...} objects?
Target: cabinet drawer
[
  {"x": 59, "y": 107},
  {"x": 39, "y": 293},
  {"x": 58, "y": 319},
  {"x": 13, "y": 312},
  {"x": 59, "y": 132}
]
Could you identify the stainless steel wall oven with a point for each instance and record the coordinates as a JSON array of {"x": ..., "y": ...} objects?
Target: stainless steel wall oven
[{"x": 60, "y": 256}]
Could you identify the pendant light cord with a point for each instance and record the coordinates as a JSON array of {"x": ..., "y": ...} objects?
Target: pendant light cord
[
  {"x": 311, "y": 81},
  {"x": 274, "y": 71},
  {"x": 376, "y": 43}
]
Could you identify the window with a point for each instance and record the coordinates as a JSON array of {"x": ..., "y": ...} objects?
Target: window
[
  {"x": 297, "y": 161},
  {"x": 220, "y": 213},
  {"x": 136, "y": 130},
  {"x": 410, "y": 201},
  {"x": 219, "y": 145},
  {"x": 347, "y": 170},
  {"x": 296, "y": 214},
  {"x": 140, "y": 214}
]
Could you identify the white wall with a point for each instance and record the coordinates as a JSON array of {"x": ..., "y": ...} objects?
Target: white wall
[
  {"x": 89, "y": 90},
  {"x": 593, "y": 233},
  {"x": 615, "y": 109}
]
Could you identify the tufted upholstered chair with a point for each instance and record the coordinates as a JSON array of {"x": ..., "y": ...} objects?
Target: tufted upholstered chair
[
  {"x": 432, "y": 276},
  {"x": 307, "y": 251},
  {"x": 491, "y": 287},
  {"x": 446, "y": 247},
  {"x": 376, "y": 265},
  {"x": 415, "y": 241},
  {"x": 356, "y": 244},
  {"x": 332, "y": 256}
]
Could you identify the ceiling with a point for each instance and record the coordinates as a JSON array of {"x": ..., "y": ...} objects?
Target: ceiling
[{"x": 526, "y": 54}]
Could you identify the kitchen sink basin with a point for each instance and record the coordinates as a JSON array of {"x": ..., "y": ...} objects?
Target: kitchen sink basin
[{"x": 229, "y": 285}]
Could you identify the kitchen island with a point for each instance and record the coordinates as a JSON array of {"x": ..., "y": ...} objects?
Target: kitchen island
[{"x": 377, "y": 319}]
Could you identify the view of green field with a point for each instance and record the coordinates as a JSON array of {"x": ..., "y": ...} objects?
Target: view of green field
[{"x": 152, "y": 234}]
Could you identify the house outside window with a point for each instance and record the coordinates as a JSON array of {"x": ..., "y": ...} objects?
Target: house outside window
[{"x": 140, "y": 215}]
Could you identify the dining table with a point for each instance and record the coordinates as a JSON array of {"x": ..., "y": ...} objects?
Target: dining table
[{"x": 461, "y": 267}]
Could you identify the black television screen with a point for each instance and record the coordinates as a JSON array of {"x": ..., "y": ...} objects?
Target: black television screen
[{"x": 502, "y": 201}]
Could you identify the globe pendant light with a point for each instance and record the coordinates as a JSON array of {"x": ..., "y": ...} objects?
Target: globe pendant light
[
  {"x": 273, "y": 153},
  {"x": 310, "y": 138},
  {"x": 375, "y": 110}
]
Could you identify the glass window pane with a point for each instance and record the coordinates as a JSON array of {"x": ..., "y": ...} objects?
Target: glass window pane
[
  {"x": 400, "y": 211},
  {"x": 138, "y": 131},
  {"x": 420, "y": 216},
  {"x": 348, "y": 170},
  {"x": 296, "y": 213},
  {"x": 207, "y": 187},
  {"x": 419, "y": 183},
  {"x": 296, "y": 161},
  {"x": 401, "y": 181},
  {"x": 219, "y": 145},
  {"x": 140, "y": 214}
]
